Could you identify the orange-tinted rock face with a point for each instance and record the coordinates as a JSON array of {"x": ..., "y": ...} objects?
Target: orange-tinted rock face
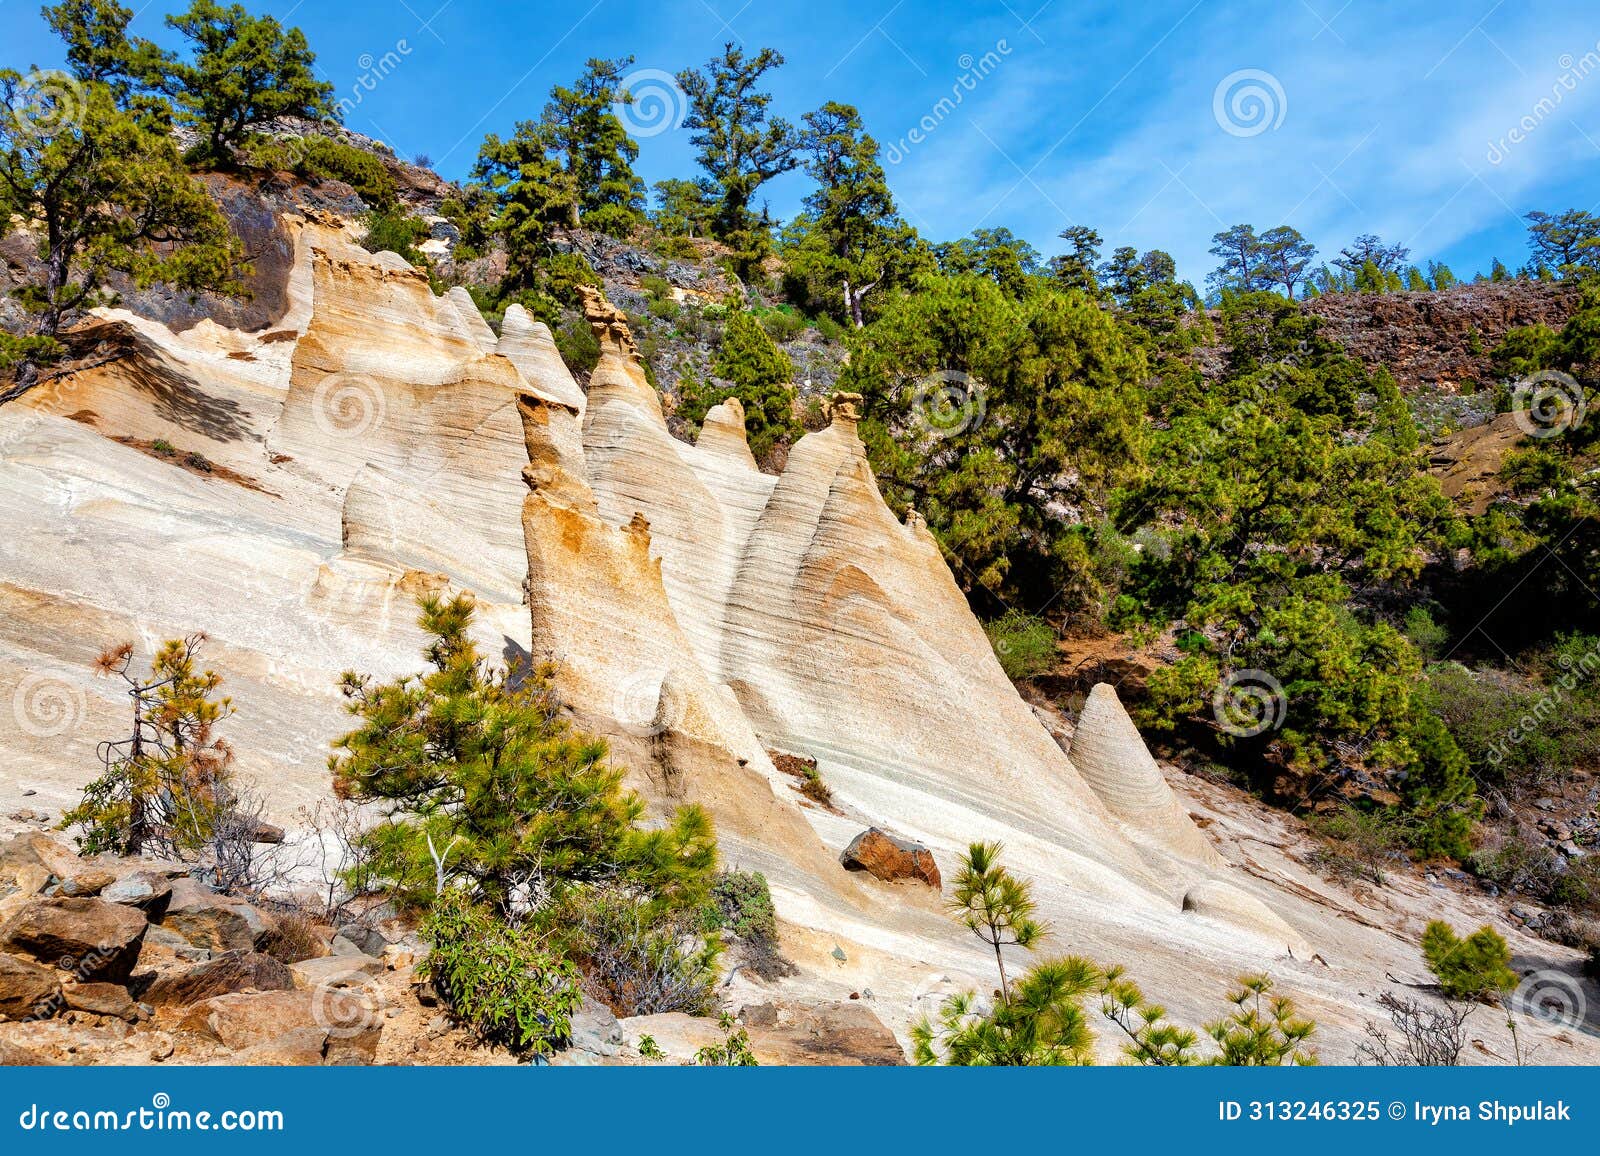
[{"x": 889, "y": 858}]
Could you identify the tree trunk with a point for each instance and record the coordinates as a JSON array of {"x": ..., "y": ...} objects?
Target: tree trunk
[{"x": 1005, "y": 986}]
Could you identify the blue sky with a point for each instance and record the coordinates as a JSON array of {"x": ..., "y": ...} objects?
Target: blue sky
[{"x": 1393, "y": 118}]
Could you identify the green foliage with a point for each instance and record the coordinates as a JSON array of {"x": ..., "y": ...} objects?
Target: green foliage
[
  {"x": 989, "y": 415},
  {"x": 737, "y": 143},
  {"x": 107, "y": 193},
  {"x": 1475, "y": 968},
  {"x": 639, "y": 958},
  {"x": 34, "y": 349},
  {"x": 583, "y": 129},
  {"x": 734, "y": 1050},
  {"x": 531, "y": 194},
  {"x": 244, "y": 71},
  {"x": 395, "y": 233},
  {"x": 317, "y": 157},
  {"x": 851, "y": 240},
  {"x": 994, "y": 905},
  {"x": 649, "y": 1049},
  {"x": 1567, "y": 242},
  {"x": 100, "y": 51},
  {"x": 483, "y": 782},
  {"x": 166, "y": 788},
  {"x": 1152, "y": 1040},
  {"x": 760, "y": 377},
  {"x": 1042, "y": 1024},
  {"x": 562, "y": 273},
  {"x": 499, "y": 979},
  {"x": 1361, "y": 841},
  {"x": 1262, "y": 1030},
  {"x": 1025, "y": 645},
  {"x": 743, "y": 905},
  {"x": 578, "y": 345}
]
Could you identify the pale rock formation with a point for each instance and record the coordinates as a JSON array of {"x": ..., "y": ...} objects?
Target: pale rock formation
[
  {"x": 379, "y": 442},
  {"x": 1110, "y": 754}
]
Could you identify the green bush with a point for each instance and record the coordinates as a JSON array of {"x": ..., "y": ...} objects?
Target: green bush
[
  {"x": 579, "y": 347},
  {"x": 1475, "y": 968},
  {"x": 1025, "y": 645},
  {"x": 734, "y": 1050},
  {"x": 316, "y": 157},
  {"x": 562, "y": 273},
  {"x": 743, "y": 904},
  {"x": 639, "y": 958},
  {"x": 676, "y": 248},
  {"x": 395, "y": 233},
  {"x": 498, "y": 979},
  {"x": 15, "y": 350},
  {"x": 782, "y": 324},
  {"x": 613, "y": 221}
]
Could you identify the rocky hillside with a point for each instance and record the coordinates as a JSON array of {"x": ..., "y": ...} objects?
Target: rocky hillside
[{"x": 1440, "y": 340}]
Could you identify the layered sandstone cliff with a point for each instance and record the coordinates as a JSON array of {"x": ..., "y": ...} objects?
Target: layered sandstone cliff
[{"x": 290, "y": 491}]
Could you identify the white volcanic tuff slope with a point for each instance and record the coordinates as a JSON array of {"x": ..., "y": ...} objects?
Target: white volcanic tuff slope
[
  {"x": 363, "y": 450},
  {"x": 737, "y": 611},
  {"x": 842, "y": 635}
]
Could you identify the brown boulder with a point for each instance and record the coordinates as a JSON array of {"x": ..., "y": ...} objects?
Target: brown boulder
[
  {"x": 232, "y": 971},
  {"x": 214, "y": 922},
  {"x": 149, "y": 891},
  {"x": 27, "y": 989},
  {"x": 300, "y": 1048},
  {"x": 89, "y": 937},
  {"x": 101, "y": 999},
  {"x": 33, "y": 849},
  {"x": 889, "y": 858},
  {"x": 16, "y": 1056},
  {"x": 86, "y": 884},
  {"x": 352, "y": 1020}
]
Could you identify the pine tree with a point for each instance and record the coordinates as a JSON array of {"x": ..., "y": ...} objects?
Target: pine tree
[
  {"x": 739, "y": 146},
  {"x": 851, "y": 239},
  {"x": 1075, "y": 269},
  {"x": 762, "y": 379},
  {"x": 1284, "y": 256},
  {"x": 1263, "y": 1030},
  {"x": 104, "y": 191},
  {"x": 1042, "y": 1025},
  {"x": 487, "y": 788},
  {"x": 1477, "y": 967},
  {"x": 583, "y": 129},
  {"x": 99, "y": 49},
  {"x": 533, "y": 195},
  {"x": 165, "y": 788},
  {"x": 995, "y": 906},
  {"x": 244, "y": 71}
]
